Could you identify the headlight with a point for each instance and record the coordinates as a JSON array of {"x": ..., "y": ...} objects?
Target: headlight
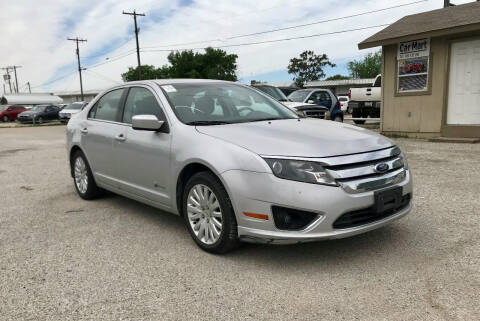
[
  {"x": 301, "y": 171},
  {"x": 404, "y": 159}
]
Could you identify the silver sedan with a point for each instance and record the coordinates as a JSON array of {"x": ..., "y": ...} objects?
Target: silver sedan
[{"x": 236, "y": 164}]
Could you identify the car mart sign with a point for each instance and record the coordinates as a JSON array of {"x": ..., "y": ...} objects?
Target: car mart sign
[{"x": 413, "y": 49}]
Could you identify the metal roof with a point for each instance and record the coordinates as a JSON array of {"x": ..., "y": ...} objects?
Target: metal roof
[
  {"x": 77, "y": 92},
  {"x": 459, "y": 18},
  {"x": 282, "y": 84},
  {"x": 340, "y": 82},
  {"x": 30, "y": 99}
]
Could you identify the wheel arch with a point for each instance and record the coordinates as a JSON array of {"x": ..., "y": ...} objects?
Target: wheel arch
[
  {"x": 184, "y": 175},
  {"x": 73, "y": 150}
]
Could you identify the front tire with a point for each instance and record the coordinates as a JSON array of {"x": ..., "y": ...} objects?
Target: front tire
[
  {"x": 5, "y": 119},
  {"x": 209, "y": 214},
  {"x": 40, "y": 120},
  {"x": 83, "y": 178}
]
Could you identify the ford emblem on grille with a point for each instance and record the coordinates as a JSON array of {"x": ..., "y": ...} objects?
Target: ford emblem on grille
[{"x": 382, "y": 168}]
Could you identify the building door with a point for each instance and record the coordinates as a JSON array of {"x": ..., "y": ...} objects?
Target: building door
[{"x": 464, "y": 84}]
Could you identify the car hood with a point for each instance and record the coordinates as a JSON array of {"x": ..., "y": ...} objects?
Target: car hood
[
  {"x": 70, "y": 111},
  {"x": 294, "y": 104},
  {"x": 29, "y": 113},
  {"x": 300, "y": 138}
]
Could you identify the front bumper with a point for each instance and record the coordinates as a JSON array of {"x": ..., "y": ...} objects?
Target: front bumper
[
  {"x": 258, "y": 192},
  {"x": 64, "y": 117}
]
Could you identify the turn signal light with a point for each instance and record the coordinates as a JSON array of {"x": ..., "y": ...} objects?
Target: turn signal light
[{"x": 255, "y": 215}]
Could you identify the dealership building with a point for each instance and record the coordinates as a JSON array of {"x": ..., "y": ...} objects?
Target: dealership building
[{"x": 431, "y": 73}]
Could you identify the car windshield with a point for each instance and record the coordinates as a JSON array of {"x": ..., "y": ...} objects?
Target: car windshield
[
  {"x": 74, "y": 106},
  {"x": 222, "y": 103},
  {"x": 39, "y": 108},
  {"x": 3, "y": 107},
  {"x": 273, "y": 91},
  {"x": 299, "y": 95}
]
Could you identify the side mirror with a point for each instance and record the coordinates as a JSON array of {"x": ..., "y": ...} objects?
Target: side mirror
[
  {"x": 310, "y": 101},
  {"x": 146, "y": 122}
]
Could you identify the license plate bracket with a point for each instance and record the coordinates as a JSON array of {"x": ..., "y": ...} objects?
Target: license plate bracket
[{"x": 386, "y": 200}]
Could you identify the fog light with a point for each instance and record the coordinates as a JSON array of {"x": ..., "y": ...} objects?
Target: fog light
[{"x": 292, "y": 219}]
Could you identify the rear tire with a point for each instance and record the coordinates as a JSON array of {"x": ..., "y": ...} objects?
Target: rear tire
[
  {"x": 357, "y": 113},
  {"x": 83, "y": 178},
  {"x": 209, "y": 214},
  {"x": 40, "y": 120}
]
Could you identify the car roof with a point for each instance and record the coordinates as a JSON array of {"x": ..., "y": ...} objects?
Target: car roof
[{"x": 179, "y": 81}]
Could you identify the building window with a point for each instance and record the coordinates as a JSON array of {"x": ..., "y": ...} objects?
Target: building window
[{"x": 412, "y": 74}]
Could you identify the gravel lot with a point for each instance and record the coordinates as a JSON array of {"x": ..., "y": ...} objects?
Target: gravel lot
[{"x": 62, "y": 258}]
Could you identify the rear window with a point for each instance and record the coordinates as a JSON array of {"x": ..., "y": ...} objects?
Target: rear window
[
  {"x": 299, "y": 95},
  {"x": 75, "y": 106},
  {"x": 342, "y": 98}
]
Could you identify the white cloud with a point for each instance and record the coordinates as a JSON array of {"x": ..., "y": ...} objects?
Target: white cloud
[{"x": 34, "y": 33}]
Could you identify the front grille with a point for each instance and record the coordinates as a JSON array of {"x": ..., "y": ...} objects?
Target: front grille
[
  {"x": 314, "y": 114},
  {"x": 361, "y": 172},
  {"x": 368, "y": 215}
]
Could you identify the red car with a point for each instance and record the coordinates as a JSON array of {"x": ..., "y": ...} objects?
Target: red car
[{"x": 10, "y": 112}]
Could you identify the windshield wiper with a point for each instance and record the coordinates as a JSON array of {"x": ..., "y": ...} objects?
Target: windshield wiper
[
  {"x": 262, "y": 119},
  {"x": 207, "y": 122}
]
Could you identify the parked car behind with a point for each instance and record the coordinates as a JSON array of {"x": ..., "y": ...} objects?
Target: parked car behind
[
  {"x": 66, "y": 113},
  {"x": 321, "y": 97},
  {"x": 288, "y": 90},
  {"x": 236, "y": 164},
  {"x": 10, "y": 112},
  {"x": 303, "y": 109},
  {"x": 39, "y": 114},
  {"x": 343, "y": 100},
  {"x": 272, "y": 91}
]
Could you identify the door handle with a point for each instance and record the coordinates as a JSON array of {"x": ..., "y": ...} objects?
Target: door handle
[
  {"x": 84, "y": 130},
  {"x": 120, "y": 137}
]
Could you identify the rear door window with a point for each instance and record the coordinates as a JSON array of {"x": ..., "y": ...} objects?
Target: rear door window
[{"x": 108, "y": 106}]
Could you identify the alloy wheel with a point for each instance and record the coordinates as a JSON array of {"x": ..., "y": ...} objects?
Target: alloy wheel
[
  {"x": 81, "y": 176},
  {"x": 204, "y": 214}
]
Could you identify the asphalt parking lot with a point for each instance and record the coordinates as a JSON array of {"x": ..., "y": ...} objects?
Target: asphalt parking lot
[{"x": 62, "y": 258}]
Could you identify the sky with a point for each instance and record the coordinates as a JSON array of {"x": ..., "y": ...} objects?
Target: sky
[{"x": 34, "y": 35}]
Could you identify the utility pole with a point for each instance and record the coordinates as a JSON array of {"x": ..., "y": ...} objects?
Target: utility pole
[
  {"x": 7, "y": 77},
  {"x": 77, "y": 40},
  {"x": 16, "y": 79},
  {"x": 135, "y": 14},
  {"x": 29, "y": 89}
]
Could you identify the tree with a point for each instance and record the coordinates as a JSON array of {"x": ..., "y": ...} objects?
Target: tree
[
  {"x": 369, "y": 67},
  {"x": 308, "y": 67},
  {"x": 148, "y": 72},
  {"x": 337, "y": 77},
  {"x": 213, "y": 64}
]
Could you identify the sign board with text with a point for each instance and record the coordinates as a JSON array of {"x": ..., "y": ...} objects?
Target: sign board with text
[{"x": 413, "y": 49}]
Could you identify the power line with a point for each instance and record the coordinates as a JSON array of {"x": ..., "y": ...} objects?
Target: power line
[
  {"x": 291, "y": 27},
  {"x": 327, "y": 20},
  {"x": 77, "y": 40},
  {"x": 93, "y": 73},
  {"x": 275, "y": 40},
  {"x": 137, "y": 30}
]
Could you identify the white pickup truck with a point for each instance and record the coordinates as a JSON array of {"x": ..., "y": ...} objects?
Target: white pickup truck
[{"x": 366, "y": 101}]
